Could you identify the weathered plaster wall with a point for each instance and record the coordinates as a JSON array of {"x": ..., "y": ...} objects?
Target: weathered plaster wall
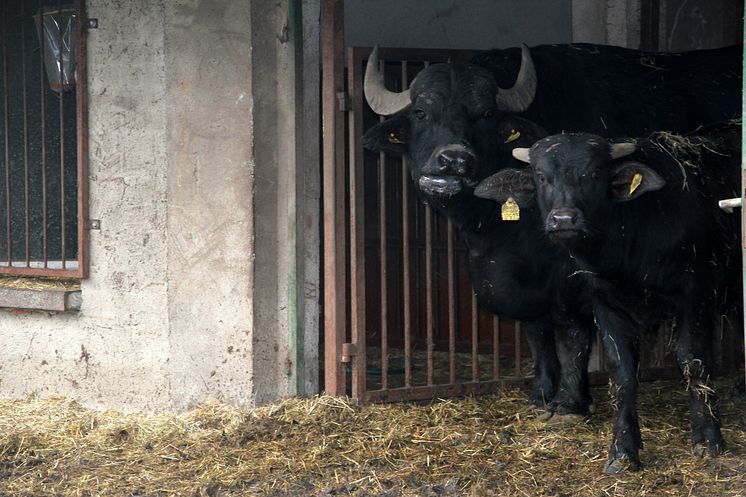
[
  {"x": 166, "y": 319},
  {"x": 209, "y": 167},
  {"x": 115, "y": 351}
]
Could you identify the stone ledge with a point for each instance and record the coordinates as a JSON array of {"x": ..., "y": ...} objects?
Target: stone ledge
[{"x": 57, "y": 300}]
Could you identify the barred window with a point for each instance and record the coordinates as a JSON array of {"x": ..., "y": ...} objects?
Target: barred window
[{"x": 43, "y": 139}]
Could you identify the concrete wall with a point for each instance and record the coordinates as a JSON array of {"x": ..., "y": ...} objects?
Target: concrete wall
[
  {"x": 468, "y": 24},
  {"x": 169, "y": 314},
  {"x": 286, "y": 84}
]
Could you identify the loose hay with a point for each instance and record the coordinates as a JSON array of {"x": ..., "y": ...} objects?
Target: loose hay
[
  {"x": 35, "y": 283},
  {"x": 477, "y": 446}
]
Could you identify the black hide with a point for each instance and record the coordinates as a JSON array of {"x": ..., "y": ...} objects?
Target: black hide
[{"x": 649, "y": 239}]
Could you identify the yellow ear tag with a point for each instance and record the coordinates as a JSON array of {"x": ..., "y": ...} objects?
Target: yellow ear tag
[
  {"x": 510, "y": 210},
  {"x": 394, "y": 139},
  {"x": 514, "y": 135},
  {"x": 636, "y": 181}
]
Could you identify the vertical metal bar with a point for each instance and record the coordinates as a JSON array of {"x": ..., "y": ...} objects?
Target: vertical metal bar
[
  {"x": 451, "y": 307},
  {"x": 517, "y": 351},
  {"x": 357, "y": 227},
  {"x": 6, "y": 131},
  {"x": 81, "y": 88},
  {"x": 474, "y": 338},
  {"x": 43, "y": 104},
  {"x": 496, "y": 347},
  {"x": 405, "y": 258},
  {"x": 24, "y": 84},
  {"x": 384, "y": 274},
  {"x": 429, "y": 291},
  {"x": 429, "y": 324},
  {"x": 332, "y": 47},
  {"x": 63, "y": 227}
]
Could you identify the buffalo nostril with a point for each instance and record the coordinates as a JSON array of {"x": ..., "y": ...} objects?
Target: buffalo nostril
[
  {"x": 563, "y": 218},
  {"x": 455, "y": 162}
]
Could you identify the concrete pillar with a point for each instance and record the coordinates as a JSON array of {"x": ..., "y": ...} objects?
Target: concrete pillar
[
  {"x": 286, "y": 210},
  {"x": 209, "y": 174}
]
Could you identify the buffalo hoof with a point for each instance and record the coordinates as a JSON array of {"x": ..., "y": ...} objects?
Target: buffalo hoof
[
  {"x": 710, "y": 448},
  {"x": 621, "y": 464},
  {"x": 560, "y": 419},
  {"x": 569, "y": 406},
  {"x": 566, "y": 419}
]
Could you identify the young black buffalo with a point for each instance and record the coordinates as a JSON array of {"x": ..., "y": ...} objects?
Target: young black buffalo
[
  {"x": 456, "y": 125},
  {"x": 642, "y": 223}
]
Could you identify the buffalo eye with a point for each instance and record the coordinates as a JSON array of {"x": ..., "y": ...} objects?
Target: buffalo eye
[
  {"x": 488, "y": 114},
  {"x": 541, "y": 178},
  {"x": 420, "y": 114},
  {"x": 594, "y": 175}
]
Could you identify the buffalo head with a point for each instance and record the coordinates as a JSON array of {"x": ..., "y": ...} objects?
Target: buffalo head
[
  {"x": 450, "y": 122},
  {"x": 575, "y": 179}
]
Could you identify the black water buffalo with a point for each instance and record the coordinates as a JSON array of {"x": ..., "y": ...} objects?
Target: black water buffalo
[
  {"x": 456, "y": 125},
  {"x": 641, "y": 221}
]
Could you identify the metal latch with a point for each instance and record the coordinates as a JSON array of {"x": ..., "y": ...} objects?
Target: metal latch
[{"x": 349, "y": 350}]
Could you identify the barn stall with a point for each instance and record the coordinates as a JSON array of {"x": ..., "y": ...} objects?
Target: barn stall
[
  {"x": 404, "y": 321},
  {"x": 392, "y": 335}
]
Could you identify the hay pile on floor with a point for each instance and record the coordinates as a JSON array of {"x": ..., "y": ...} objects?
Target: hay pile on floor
[{"x": 324, "y": 446}]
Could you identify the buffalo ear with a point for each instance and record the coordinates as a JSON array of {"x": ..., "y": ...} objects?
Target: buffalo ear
[
  {"x": 516, "y": 183},
  {"x": 389, "y": 136},
  {"x": 631, "y": 179},
  {"x": 515, "y": 131}
]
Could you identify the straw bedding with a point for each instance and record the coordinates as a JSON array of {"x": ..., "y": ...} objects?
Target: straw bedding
[{"x": 325, "y": 446}]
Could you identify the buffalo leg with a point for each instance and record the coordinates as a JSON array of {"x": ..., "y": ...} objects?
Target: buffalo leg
[
  {"x": 540, "y": 336},
  {"x": 619, "y": 334},
  {"x": 574, "y": 347},
  {"x": 694, "y": 353}
]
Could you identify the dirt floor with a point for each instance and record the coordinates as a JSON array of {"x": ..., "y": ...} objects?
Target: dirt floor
[{"x": 478, "y": 446}]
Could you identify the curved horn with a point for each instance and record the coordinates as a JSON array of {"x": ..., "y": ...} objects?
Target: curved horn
[
  {"x": 381, "y": 100},
  {"x": 622, "y": 149},
  {"x": 519, "y": 97},
  {"x": 522, "y": 154}
]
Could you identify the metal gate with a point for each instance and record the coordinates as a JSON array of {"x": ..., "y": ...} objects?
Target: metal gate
[
  {"x": 419, "y": 332},
  {"x": 402, "y": 322}
]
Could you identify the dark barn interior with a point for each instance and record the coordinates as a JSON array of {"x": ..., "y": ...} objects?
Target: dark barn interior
[{"x": 39, "y": 161}]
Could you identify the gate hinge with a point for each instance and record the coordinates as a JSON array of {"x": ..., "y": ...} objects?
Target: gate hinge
[
  {"x": 349, "y": 350},
  {"x": 342, "y": 101}
]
